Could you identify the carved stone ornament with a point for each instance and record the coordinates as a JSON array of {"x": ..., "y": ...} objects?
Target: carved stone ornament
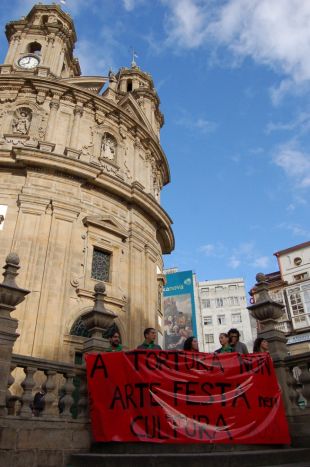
[
  {"x": 123, "y": 131},
  {"x": 99, "y": 117},
  {"x": 21, "y": 121},
  {"x": 108, "y": 147}
]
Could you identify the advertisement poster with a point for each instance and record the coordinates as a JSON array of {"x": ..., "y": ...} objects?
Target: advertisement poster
[{"x": 179, "y": 310}]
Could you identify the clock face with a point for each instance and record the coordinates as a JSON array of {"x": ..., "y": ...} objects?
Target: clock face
[{"x": 28, "y": 62}]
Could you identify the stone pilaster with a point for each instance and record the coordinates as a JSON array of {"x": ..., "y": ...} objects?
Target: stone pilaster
[{"x": 54, "y": 106}]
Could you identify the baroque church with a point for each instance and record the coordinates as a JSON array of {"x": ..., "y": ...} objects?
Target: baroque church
[{"x": 81, "y": 171}]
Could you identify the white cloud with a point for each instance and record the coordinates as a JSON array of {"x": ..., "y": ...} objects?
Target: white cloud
[
  {"x": 186, "y": 24},
  {"x": 261, "y": 262},
  {"x": 296, "y": 229},
  {"x": 272, "y": 33},
  {"x": 234, "y": 262},
  {"x": 216, "y": 250},
  {"x": 196, "y": 123},
  {"x": 295, "y": 163},
  {"x": 94, "y": 60},
  {"x": 71, "y": 6},
  {"x": 300, "y": 123},
  {"x": 130, "y": 5}
]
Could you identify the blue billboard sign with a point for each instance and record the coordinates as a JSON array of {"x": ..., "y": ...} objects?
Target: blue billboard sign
[{"x": 179, "y": 309}]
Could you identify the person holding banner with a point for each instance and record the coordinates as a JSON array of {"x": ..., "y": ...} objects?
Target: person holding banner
[
  {"x": 191, "y": 344},
  {"x": 115, "y": 343},
  {"x": 224, "y": 341},
  {"x": 237, "y": 346},
  {"x": 149, "y": 340}
]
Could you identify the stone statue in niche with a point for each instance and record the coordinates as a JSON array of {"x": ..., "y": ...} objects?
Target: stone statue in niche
[
  {"x": 21, "y": 121},
  {"x": 108, "y": 147}
]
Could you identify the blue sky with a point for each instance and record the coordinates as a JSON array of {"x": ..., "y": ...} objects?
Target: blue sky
[{"x": 233, "y": 77}]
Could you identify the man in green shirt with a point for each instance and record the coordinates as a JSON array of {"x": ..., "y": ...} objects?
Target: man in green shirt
[
  {"x": 115, "y": 343},
  {"x": 149, "y": 340}
]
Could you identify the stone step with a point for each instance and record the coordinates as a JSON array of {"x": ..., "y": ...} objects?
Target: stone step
[
  {"x": 145, "y": 447},
  {"x": 252, "y": 458}
]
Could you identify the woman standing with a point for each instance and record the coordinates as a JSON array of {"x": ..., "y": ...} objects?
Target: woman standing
[
  {"x": 224, "y": 341},
  {"x": 191, "y": 344},
  {"x": 260, "y": 345}
]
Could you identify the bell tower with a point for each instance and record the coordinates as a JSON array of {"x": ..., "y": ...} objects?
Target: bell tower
[{"x": 43, "y": 43}]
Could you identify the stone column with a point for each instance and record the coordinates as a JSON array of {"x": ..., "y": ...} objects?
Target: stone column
[
  {"x": 54, "y": 106},
  {"x": 267, "y": 312},
  {"x": 12, "y": 49},
  {"x": 10, "y": 296},
  {"x": 97, "y": 321},
  {"x": 78, "y": 112}
]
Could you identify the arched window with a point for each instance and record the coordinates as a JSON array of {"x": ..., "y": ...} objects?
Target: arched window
[
  {"x": 129, "y": 85},
  {"x": 34, "y": 48},
  {"x": 79, "y": 329}
]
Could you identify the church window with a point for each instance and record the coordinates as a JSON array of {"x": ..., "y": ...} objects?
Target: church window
[
  {"x": 34, "y": 48},
  {"x": 79, "y": 329},
  {"x": 100, "y": 269},
  {"x": 129, "y": 85}
]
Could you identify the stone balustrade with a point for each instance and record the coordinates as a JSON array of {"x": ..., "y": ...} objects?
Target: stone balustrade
[{"x": 64, "y": 386}]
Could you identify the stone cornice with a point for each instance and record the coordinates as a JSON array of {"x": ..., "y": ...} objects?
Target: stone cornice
[{"x": 107, "y": 107}]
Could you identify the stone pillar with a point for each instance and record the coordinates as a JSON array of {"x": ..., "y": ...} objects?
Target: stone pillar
[
  {"x": 97, "y": 321},
  {"x": 12, "y": 49},
  {"x": 54, "y": 105},
  {"x": 267, "y": 312},
  {"x": 78, "y": 112},
  {"x": 10, "y": 296}
]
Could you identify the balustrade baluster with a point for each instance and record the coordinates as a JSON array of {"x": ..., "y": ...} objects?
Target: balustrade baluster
[
  {"x": 51, "y": 406},
  {"x": 292, "y": 385},
  {"x": 68, "y": 399},
  {"x": 9, "y": 396},
  {"x": 83, "y": 398},
  {"x": 27, "y": 397},
  {"x": 304, "y": 379}
]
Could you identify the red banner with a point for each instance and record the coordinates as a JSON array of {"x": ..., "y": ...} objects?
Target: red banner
[{"x": 185, "y": 397}]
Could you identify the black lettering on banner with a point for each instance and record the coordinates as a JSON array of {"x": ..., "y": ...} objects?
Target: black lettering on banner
[
  {"x": 177, "y": 387},
  {"x": 203, "y": 426},
  {"x": 133, "y": 423},
  {"x": 141, "y": 387},
  {"x": 220, "y": 422},
  {"x": 211, "y": 397},
  {"x": 200, "y": 362},
  {"x": 240, "y": 393},
  {"x": 223, "y": 387},
  {"x": 99, "y": 365},
  {"x": 129, "y": 390},
  {"x": 267, "y": 401},
  {"x": 191, "y": 392},
  {"x": 117, "y": 398},
  {"x": 216, "y": 361},
  {"x": 149, "y": 357},
  {"x": 153, "y": 393}
]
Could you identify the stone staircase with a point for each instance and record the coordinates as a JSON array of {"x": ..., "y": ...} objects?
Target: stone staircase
[{"x": 191, "y": 455}]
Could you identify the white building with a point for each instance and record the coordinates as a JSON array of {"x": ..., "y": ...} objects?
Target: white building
[
  {"x": 221, "y": 306},
  {"x": 291, "y": 287}
]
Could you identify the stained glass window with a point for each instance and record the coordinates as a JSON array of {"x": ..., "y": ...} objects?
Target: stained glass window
[
  {"x": 100, "y": 269},
  {"x": 79, "y": 329}
]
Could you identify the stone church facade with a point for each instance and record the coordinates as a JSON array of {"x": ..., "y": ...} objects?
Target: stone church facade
[{"x": 80, "y": 178}]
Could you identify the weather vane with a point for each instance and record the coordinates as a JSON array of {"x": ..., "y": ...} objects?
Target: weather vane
[{"x": 134, "y": 56}]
